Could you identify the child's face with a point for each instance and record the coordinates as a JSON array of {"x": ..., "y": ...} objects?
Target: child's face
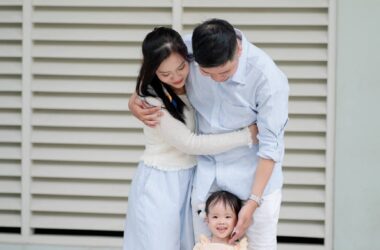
[{"x": 221, "y": 220}]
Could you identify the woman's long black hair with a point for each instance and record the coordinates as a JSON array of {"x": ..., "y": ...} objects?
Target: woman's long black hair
[{"x": 158, "y": 45}]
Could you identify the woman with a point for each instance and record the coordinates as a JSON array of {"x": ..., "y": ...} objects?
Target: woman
[{"x": 159, "y": 214}]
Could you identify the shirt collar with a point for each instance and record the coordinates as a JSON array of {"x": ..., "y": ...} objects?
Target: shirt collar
[{"x": 239, "y": 76}]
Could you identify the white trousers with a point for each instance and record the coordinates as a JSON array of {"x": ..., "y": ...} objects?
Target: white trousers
[{"x": 262, "y": 234}]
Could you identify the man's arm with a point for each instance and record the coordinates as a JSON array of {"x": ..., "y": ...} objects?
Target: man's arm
[
  {"x": 272, "y": 103},
  {"x": 146, "y": 113},
  {"x": 263, "y": 173}
]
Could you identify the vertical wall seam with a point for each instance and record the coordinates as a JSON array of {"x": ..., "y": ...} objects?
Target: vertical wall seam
[
  {"x": 330, "y": 132},
  {"x": 26, "y": 118}
]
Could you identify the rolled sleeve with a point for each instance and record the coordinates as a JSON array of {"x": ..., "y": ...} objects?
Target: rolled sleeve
[{"x": 272, "y": 118}]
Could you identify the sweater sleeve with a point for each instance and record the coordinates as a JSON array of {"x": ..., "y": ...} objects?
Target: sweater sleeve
[{"x": 176, "y": 134}]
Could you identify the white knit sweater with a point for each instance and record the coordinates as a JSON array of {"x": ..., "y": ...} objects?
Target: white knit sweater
[{"x": 172, "y": 145}]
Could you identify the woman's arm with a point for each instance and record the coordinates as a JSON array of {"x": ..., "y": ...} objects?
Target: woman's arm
[{"x": 179, "y": 136}]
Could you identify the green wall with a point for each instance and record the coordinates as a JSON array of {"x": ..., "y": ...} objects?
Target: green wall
[{"x": 357, "y": 172}]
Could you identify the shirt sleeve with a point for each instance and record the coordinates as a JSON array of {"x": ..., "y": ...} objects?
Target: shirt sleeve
[
  {"x": 176, "y": 134},
  {"x": 272, "y": 116}
]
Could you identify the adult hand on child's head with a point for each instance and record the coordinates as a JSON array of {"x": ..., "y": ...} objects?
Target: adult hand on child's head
[
  {"x": 149, "y": 115},
  {"x": 244, "y": 221}
]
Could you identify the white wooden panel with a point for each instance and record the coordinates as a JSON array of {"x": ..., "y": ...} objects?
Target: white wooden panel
[
  {"x": 304, "y": 70},
  {"x": 10, "y": 185},
  {"x": 10, "y": 49},
  {"x": 10, "y": 100},
  {"x": 122, "y": 68},
  {"x": 11, "y": 14},
  {"x": 95, "y": 188},
  {"x": 72, "y": 204},
  {"x": 307, "y": 87},
  {"x": 307, "y": 176},
  {"x": 87, "y": 50},
  {"x": 305, "y": 141},
  {"x": 10, "y": 219},
  {"x": 80, "y": 102},
  {"x": 10, "y": 83},
  {"x": 10, "y": 168},
  {"x": 77, "y": 170},
  {"x": 306, "y": 123},
  {"x": 303, "y": 158},
  {"x": 257, "y": 3},
  {"x": 10, "y": 66},
  {"x": 281, "y": 35},
  {"x": 264, "y": 17},
  {"x": 87, "y": 154},
  {"x": 313, "y": 106},
  {"x": 82, "y": 84},
  {"x": 301, "y": 229},
  {"x": 298, "y": 246},
  {"x": 303, "y": 193},
  {"x": 10, "y": 32},
  {"x": 99, "y": 33},
  {"x": 295, "y": 52},
  {"x": 119, "y": 15},
  {"x": 10, "y": 151},
  {"x": 87, "y": 136},
  {"x": 302, "y": 211},
  {"x": 102, "y": 3},
  {"x": 77, "y": 221},
  {"x": 10, "y": 113},
  {"x": 10, "y": 203},
  {"x": 10, "y": 117},
  {"x": 54, "y": 118},
  {"x": 10, "y": 134}
]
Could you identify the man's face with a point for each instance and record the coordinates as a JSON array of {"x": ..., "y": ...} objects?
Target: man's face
[{"x": 223, "y": 72}]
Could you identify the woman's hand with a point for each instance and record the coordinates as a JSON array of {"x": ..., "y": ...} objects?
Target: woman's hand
[
  {"x": 254, "y": 131},
  {"x": 149, "y": 115}
]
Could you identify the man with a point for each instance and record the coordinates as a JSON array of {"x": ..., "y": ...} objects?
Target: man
[{"x": 233, "y": 84}]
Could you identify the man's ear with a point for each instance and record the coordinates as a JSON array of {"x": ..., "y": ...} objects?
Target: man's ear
[{"x": 239, "y": 48}]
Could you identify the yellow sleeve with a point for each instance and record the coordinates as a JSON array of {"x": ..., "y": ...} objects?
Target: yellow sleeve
[
  {"x": 243, "y": 244},
  {"x": 198, "y": 246}
]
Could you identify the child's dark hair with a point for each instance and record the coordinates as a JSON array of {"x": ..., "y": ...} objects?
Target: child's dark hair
[
  {"x": 227, "y": 198},
  {"x": 157, "y": 46}
]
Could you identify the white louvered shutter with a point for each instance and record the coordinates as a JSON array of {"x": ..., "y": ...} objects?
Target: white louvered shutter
[
  {"x": 84, "y": 144},
  {"x": 10, "y": 115}
]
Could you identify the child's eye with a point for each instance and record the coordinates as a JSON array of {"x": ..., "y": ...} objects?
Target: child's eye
[
  {"x": 215, "y": 217},
  {"x": 182, "y": 67}
]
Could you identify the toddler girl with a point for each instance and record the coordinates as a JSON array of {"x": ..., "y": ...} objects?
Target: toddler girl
[{"x": 222, "y": 210}]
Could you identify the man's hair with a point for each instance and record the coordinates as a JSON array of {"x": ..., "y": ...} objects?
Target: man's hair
[
  {"x": 214, "y": 43},
  {"x": 227, "y": 198}
]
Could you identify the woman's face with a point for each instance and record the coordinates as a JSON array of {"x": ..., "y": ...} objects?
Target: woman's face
[{"x": 173, "y": 71}]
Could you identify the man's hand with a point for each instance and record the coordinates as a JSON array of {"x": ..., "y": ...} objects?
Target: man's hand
[
  {"x": 244, "y": 221},
  {"x": 149, "y": 115}
]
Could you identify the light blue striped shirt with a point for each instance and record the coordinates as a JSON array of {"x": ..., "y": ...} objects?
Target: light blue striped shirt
[{"x": 256, "y": 93}]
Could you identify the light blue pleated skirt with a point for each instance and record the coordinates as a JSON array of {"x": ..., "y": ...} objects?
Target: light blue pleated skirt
[{"x": 159, "y": 213}]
